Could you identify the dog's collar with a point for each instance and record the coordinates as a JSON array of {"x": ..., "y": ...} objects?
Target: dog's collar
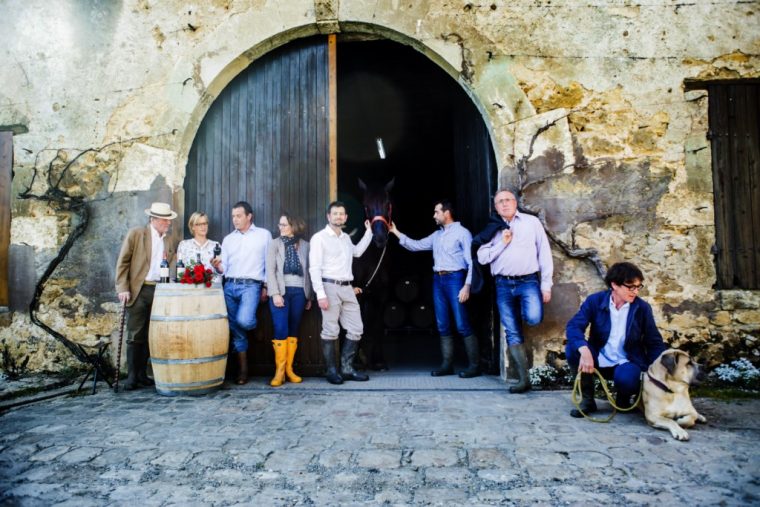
[{"x": 659, "y": 384}]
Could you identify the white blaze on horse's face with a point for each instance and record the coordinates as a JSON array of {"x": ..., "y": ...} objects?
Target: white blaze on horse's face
[{"x": 337, "y": 217}]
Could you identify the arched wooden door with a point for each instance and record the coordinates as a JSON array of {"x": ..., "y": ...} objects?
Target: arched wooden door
[{"x": 266, "y": 140}]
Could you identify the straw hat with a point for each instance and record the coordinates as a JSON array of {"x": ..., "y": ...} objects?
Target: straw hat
[{"x": 160, "y": 210}]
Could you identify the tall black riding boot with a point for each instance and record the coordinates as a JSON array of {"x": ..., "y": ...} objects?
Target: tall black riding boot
[
  {"x": 328, "y": 350},
  {"x": 347, "y": 371},
  {"x": 142, "y": 370},
  {"x": 473, "y": 357},
  {"x": 131, "y": 382},
  {"x": 587, "y": 404},
  {"x": 521, "y": 363},
  {"x": 447, "y": 351}
]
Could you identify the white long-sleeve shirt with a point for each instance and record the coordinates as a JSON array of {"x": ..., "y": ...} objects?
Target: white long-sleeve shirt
[
  {"x": 244, "y": 254},
  {"x": 331, "y": 256}
]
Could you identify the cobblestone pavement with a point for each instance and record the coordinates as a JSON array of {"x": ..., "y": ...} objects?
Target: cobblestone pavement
[{"x": 368, "y": 444}]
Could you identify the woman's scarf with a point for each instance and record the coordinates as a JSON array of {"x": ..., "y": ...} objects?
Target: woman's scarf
[{"x": 292, "y": 262}]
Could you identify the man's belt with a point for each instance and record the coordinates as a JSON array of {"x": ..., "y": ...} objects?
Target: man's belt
[
  {"x": 518, "y": 277},
  {"x": 342, "y": 283},
  {"x": 150, "y": 282},
  {"x": 243, "y": 281},
  {"x": 444, "y": 273}
]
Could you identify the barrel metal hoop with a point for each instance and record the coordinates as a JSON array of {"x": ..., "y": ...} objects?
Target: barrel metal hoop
[
  {"x": 200, "y": 383},
  {"x": 195, "y": 360},
  {"x": 181, "y": 318}
]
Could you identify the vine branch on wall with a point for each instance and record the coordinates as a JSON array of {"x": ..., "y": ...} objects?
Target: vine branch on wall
[
  {"x": 590, "y": 255},
  {"x": 79, "y": 208}
]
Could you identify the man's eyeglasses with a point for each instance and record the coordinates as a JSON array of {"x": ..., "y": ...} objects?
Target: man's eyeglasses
[{"x": 633, "y": 288}]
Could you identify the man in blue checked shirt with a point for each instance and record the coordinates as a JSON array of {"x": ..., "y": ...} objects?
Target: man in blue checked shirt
[{"x": 452, "y": 275}]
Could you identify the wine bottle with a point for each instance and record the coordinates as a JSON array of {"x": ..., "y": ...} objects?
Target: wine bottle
[
  {"x": 217, "y": 250},
  {"x": 164, "y": 270},
  {"x": 180, "y": 270}
]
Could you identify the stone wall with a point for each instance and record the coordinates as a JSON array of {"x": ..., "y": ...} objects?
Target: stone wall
[{"x": 585, "y": 103}]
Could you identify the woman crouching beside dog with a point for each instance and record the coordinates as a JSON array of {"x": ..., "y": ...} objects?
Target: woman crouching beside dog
[{"x": 623, "y": 340}]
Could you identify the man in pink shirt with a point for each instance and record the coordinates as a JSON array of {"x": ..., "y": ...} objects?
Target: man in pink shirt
[{"x": 522, "y": 266}]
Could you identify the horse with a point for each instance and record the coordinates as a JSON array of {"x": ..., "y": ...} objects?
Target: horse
[{"x": 372, "y": 272}]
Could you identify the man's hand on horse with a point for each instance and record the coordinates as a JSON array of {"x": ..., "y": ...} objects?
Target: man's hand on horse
[
  {"x": 358, "y": 290},
  {"x": 323, "y": 304},
  {"x": 368, "y": 225},
  {"x": 393, "y": 229},
  {"x": 464, "y": 294}
]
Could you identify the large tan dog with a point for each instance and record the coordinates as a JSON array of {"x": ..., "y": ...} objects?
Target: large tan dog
[{"x": 667, "y": 404}]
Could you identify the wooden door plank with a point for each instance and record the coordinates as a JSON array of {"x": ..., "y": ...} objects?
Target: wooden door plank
[
  {"x": 332, "y": 78},
  {"x": 718, "y": 118}
]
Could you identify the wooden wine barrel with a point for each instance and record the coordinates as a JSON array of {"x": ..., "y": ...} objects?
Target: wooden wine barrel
[
  {"x": 394, "y": 315},
  {"x": 421, "y": 315},
  {"x": 407, "y": 289},
  {"x": 189, "y": 338}
]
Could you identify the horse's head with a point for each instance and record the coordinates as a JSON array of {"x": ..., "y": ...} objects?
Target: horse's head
[{"x": 378, "y": 210}]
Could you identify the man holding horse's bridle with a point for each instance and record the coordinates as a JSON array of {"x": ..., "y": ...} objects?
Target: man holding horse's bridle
[
  {"x": 330, "y": 259},
  {"x": 452, "y": 275}
]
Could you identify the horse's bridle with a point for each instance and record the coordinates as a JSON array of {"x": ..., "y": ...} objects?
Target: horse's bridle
[
  {"x": 381, "y": 218},
  {"x": 387, "y": 223}
]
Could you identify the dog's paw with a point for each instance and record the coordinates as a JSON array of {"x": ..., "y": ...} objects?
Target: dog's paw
[
  {"x": 701, "y": 418},
  {"x": 679, "y": 433}
]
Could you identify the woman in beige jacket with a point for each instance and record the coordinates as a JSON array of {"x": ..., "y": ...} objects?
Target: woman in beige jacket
[{"x": 290, "y": 292}]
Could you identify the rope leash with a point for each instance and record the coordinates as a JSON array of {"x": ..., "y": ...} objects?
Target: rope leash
[{"x": 577, "y": 402}]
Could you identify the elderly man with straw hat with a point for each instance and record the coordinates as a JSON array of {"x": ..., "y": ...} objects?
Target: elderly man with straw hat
[{"x": 137, "y": 272}]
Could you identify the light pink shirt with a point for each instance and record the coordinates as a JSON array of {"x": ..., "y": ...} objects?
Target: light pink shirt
[{"x": 527, "y": 253}]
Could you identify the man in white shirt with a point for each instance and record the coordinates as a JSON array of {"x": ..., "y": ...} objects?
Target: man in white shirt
[
  {"x": 330, "y": 258},
  {"x": 243, "y": 262},
  {"x": 137, "y": 272},
  {"x": 623, "y": 340}
]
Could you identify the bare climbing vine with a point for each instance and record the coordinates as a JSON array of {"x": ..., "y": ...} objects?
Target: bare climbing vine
[
  {"x": 76, "y": 206},
  {"x": 590, "y": 255}
]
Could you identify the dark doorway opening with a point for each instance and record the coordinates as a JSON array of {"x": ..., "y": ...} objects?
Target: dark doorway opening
[{"x": 392, "y": 99}]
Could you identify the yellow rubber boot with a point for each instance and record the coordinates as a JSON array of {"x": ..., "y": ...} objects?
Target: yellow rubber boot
[
  {"x": 280, "y": 352},
  {"x": 292, "y": 346}
]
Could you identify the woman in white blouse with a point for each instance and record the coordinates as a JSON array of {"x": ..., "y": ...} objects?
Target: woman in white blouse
[{"x": 189, "y": 249}]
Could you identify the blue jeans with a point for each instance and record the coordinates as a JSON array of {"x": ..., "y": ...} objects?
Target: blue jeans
[
  {"x": 627, "y": 376},
  {"x": 242, "y": 301},
  {"x": 446, "y": 300},
  {"x": 518, "y": 301},
  {"x": 287, "y": 319}
]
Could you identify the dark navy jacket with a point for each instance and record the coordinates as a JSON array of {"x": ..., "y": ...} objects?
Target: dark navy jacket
[{"x": 643, "y": 342}]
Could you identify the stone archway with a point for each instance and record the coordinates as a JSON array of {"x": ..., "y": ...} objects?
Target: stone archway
[{"x": 517, "y": 132}]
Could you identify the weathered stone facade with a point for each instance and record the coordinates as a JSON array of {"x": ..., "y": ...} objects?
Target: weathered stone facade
[{"x": 585, "y": 103}]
